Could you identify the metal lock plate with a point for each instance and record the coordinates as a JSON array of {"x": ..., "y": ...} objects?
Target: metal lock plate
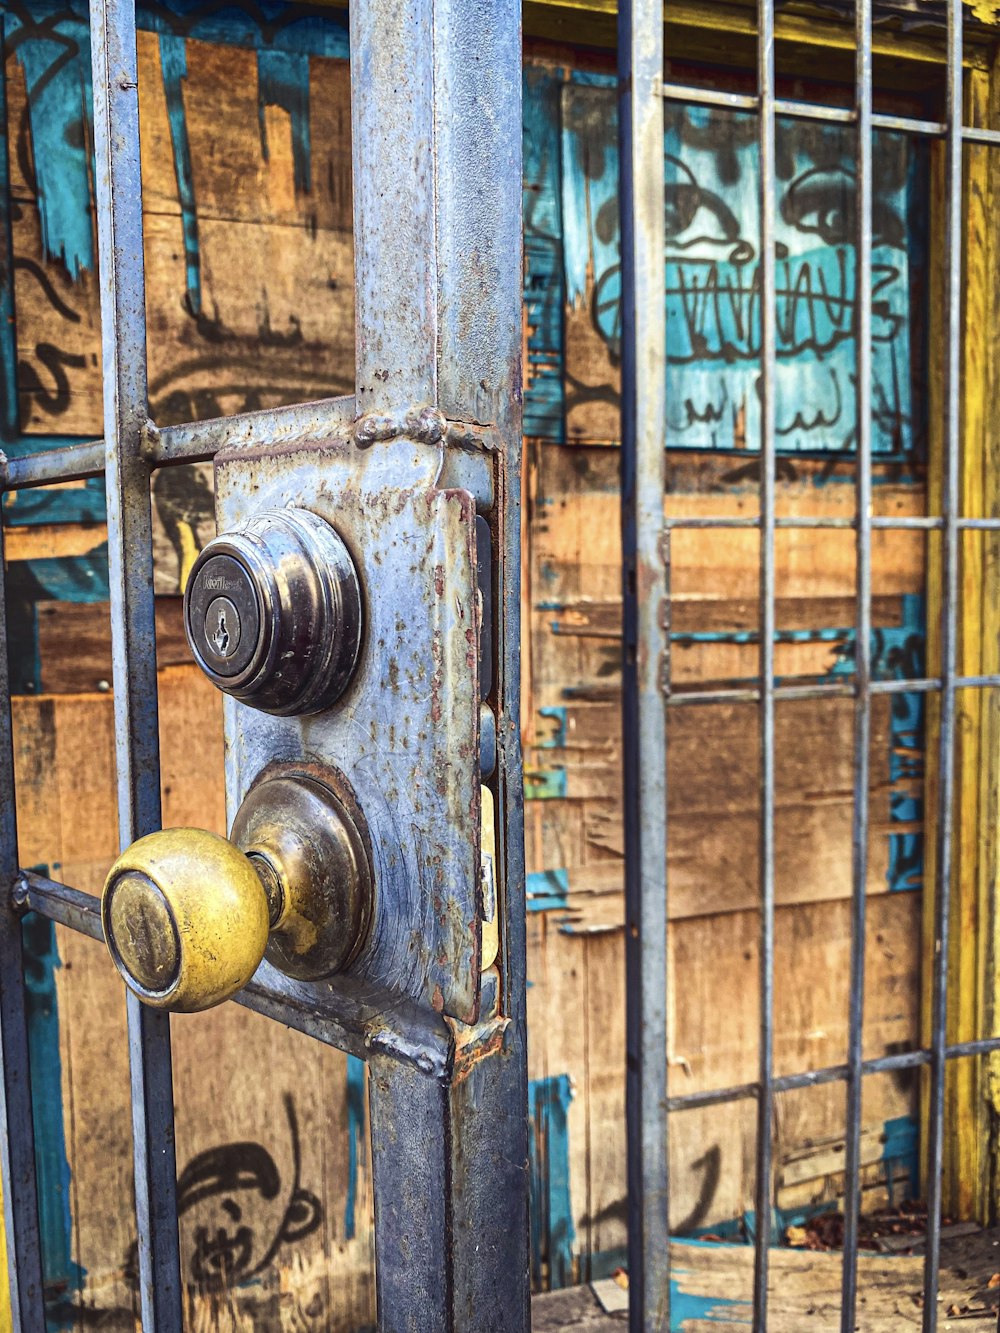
[{"x": 404, "y": 736}]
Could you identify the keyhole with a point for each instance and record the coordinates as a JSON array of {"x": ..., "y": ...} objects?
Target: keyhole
[{"x": 221, "y": 636}]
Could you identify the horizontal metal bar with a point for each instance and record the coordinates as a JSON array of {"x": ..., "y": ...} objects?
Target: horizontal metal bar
[
  {"x": 885, "y": 1064},
  {"x": 193, "y": 442},
  {"x": 828, "y": 690},
  {"x": 72, "y": 462},
  {"x": 403, "y": 1030},
  {"x": 885, "y": 523},
  {"x": 200, "y": 440},
  {"x": 794, "y": 109}
]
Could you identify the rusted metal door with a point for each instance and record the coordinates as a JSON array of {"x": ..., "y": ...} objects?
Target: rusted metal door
[{"x": 359, "y": 610}]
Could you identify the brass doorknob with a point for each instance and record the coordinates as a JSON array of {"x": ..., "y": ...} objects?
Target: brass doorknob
[{"x": 189, "y": 915}]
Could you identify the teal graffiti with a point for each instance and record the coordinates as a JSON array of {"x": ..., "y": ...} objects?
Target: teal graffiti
[
  {"x": 545, "y": 784},
  {"x": 898, "y": 653},
  {"x": 712, "y": 283},
  {"x": 544, "y": 399},
  {"x": 55, "y": 57},
  {"x": 9, "y": 423},
  {"x": 283, "y": 81}
]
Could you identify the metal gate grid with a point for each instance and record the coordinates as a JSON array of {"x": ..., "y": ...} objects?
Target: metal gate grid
[
  {"x": 133, "y": 448},
  {"x": 647, "y": 688},
  {"x": 430, "y": 1113}
]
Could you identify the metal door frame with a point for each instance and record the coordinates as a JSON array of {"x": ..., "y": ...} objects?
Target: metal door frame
[
  {"x": 648, "y": 696},
  {"x": 436, "y": 95}
]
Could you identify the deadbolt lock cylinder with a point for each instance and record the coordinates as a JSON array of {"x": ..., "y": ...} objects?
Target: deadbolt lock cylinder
[
  {"x": 189, "y": 915},
  {"x": 273, "y": 612}
]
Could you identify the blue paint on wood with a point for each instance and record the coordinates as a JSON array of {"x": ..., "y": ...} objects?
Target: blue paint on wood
[
  {"x": 557, "y": 740},
  {"x": 41, "y": 960},
  {"x": 173, "y": 64},
  {"x": 906, "y": 755},
  {"x": 77, "y": 505},
  {"x": 545, "y": 784},
  {"x": 547, "y": 889},
  {"x": 898, "y": 653},
  {"x": 78, "y": 578},
  {"x": 52, "y": 42},
  {"x": 552, "y": 1230},
  {"x": 283, "y": 81},
  {"x": 355, "y": 1138},
  {"x": 56, "y": 64},
  {"x": 900, "y": 1151}
]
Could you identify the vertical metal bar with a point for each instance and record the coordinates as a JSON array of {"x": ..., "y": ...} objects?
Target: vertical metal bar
[
  {"x": 436, "y": 121},
  {"x": 395, "y": 304},
  {"x": 17, "y": 1139},
  {"x": 952, "y": 249},
  {"x": 645, "y": 645},
  {"x": 9, "y": 418},
  {"x": 133, "y": 632},
  {"x": 450, "y": 1223},
  {"x": 862, "y": 654},
  {"x": 768, "y": 312}
]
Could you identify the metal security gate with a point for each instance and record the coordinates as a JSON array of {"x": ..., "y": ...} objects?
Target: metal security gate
[
  {"x": 360, "y": 611},
  {"x": 648, "y": 695}
]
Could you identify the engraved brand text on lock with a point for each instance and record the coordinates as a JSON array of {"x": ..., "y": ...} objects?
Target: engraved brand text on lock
[{"x": 221, "y": 584}]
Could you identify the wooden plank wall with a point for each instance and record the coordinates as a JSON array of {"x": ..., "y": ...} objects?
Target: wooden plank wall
[{"x": 249, "y": 266}]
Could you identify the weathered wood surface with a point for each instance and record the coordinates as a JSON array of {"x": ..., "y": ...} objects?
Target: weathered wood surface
[
  {"x": 276, "y": 264},
  {"x": 712, "y": 1288},
  {"x": 276, "y": 324}
]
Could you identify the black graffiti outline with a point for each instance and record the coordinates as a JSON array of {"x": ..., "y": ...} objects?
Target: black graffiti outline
[
  {"x": 219, "y": 1172},
  {"x": 35, "y": 269},
  {"x": 56, "y": 400}
]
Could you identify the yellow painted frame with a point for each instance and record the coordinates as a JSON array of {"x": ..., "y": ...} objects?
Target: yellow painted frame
[
  {"x": 972, "y": 1089},
  {"x": 701, "y": 28}
]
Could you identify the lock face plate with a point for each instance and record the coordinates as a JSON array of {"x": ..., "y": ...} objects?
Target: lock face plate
[
  {"x": 272, "y": 611},
  {"x": 405, "y": 733},
  {"x": 223, "y": 615}
]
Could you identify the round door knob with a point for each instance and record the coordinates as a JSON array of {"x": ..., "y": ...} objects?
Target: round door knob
[
  {"x": 188, "y": 915},
  {"x": 273, "y": 612},
  {"x": 185, "y": 918}
]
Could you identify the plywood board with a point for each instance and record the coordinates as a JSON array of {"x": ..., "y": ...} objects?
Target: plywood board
[{"x": 274, "y": 1155}]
